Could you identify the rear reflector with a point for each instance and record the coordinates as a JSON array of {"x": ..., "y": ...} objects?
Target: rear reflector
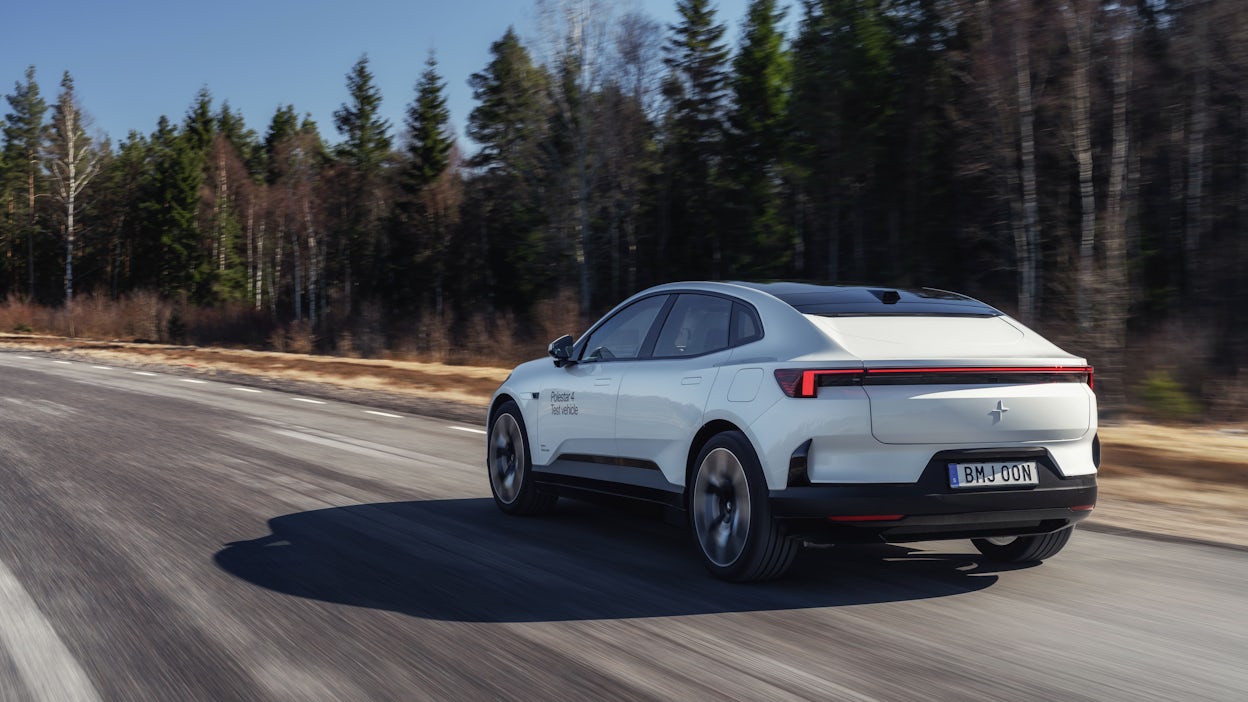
[
  {"x": 866, "y": 518},
  {"x": 1083, "y": 508}
]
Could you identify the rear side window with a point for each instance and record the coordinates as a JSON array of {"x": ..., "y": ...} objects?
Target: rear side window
[
  {"x": 696, "y": 325},
  {"x": 745, "y": 326}
]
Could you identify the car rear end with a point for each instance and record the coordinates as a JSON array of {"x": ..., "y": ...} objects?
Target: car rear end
[{"x": 953, "y": 421}]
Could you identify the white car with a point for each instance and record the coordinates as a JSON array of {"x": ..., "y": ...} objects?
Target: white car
[{"x": 783, "y": 414}]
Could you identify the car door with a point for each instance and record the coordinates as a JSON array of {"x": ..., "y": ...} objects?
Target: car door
[
  {"x": 662, "y": 399},
  {"x": 576, "y": 416}
]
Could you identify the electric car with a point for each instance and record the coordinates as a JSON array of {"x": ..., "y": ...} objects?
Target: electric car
[{"x": 781, "y": 414}]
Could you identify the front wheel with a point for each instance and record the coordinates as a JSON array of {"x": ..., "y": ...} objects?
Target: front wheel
[
  {"x": 730, "y": 514},
  {"x": 1024, "y": 549},
  {"x": 511, "y": 467}
]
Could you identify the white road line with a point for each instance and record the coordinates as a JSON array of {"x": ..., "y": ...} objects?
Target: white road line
[
  {"x": 384, "y": 414},
  {"x": 310, "y": 402},
  {"x": 246, "y": 389},
  {"x": 64, "y": 363},
  {"x": 471, "y": 430},
  {"x": 360, "y": 446},
  {"x": 102, "y": 367},
  {"x": 41, "y": 658},
  {"x": 27, "y": 358},
  {"x": 192, "y": 380},
  {"x": 150, "y": 375}
]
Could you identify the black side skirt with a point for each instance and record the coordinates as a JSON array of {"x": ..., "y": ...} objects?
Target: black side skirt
[{"x": 590, "y": 476}]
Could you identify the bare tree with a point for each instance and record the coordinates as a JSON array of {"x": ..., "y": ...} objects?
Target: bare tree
[
  {"x": 72, "y": 163},
  {"x": 1000, "y": 71},
  {"x": 575, "y": 51},
  {"x": 1116, "y": 297},
  {"x": 1197, "y": 162},
  {"x": 627, "y": 133},
  {"x": 1079, "y": 21},
  {"x": 1239, "y": 58}
]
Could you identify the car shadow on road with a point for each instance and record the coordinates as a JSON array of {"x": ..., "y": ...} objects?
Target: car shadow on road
[{"x": 462, "y": 560}]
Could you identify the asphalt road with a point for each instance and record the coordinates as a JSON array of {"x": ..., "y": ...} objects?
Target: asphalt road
[{"x": 166, "y": 539}]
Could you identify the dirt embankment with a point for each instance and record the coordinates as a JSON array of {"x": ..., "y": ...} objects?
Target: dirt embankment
[{"x": 1181, "y": 481}]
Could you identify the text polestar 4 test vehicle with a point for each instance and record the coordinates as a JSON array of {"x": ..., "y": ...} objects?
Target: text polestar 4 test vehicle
[{"x": 782, "y": 414}]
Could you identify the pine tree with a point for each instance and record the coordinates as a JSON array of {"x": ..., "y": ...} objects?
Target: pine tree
[
  {"x": 842, "y": 120},
  {"x": 421, "y": 227},
  {"x": 231, "y": 125},
  {"x": 510, "y": 125},
  {"x": 696, "y": 90},
  {"x": 171, "y": 212},
  {"x": 122, "y": 189},
  {"x": 283, "y": 126},
  {"x": 24, "y": 131},
  {"x": 200, "y": 124},
  {"x": 428, "y": 124},
  {"x": 759, "y": 244},
  {"x": 362, "y": 154}
]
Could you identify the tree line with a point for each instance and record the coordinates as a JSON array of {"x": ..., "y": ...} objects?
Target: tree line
[{"x": 1081, "y": 163}]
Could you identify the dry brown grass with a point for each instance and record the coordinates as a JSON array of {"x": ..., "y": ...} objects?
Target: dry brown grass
[
  {"x": 500, "y": 339},
  {"x": 466, "y": 384},
  {"x": 1182, "y": 480}
]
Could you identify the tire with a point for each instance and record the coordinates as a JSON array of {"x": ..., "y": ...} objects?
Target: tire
[
  {"x": 1024, "y": 549},
  {"x": 730, "y": 514},
  {"x": 510, "y": 465}
]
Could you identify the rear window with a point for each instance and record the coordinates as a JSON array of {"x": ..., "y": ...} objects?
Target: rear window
[{"x": 933, "y": 337}]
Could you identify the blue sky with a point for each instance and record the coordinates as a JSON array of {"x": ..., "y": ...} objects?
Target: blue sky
[{"x": 135, "y": 60}]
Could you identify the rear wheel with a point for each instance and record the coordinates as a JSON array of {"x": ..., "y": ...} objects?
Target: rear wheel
[
  {"x": 511, "y": 467},
  {"x": 1023, "y": 549},
  {"x": 730, "y": 514}
]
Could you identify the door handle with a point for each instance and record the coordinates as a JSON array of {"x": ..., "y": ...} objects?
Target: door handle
[
  {"x": 691, "y": 380},
  {"x": 602, "y": 381}
]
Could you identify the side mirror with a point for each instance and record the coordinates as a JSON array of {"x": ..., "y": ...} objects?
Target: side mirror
[{"x": 561, "y": 350}]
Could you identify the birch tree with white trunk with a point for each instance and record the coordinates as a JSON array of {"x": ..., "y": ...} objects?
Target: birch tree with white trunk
[
  {"x": 72, "y": 162},
  {"x": 576, "y": 34}
]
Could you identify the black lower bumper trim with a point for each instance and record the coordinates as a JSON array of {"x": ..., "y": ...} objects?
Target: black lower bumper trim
[
  {"x": 823, "y": 501},
  {"x": 930, "y": 509}
]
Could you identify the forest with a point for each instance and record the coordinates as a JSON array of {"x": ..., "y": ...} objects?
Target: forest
[{"x": 1080, "y": 164}]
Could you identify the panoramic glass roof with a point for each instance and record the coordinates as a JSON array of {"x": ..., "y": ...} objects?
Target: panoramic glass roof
[{"x": 868, "y": 300}]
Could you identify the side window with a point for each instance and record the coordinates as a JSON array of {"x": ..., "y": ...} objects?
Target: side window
[
  {"x": 697, "y": 324},
  {"x": 621, "y": 336},
  {"x": 745, "y": 326}
]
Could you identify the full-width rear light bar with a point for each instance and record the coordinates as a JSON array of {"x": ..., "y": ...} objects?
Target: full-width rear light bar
[{"x": 805, "y": 382}]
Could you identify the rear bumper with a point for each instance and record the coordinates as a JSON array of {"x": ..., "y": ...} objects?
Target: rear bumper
[{"x": 931, "y": 509}]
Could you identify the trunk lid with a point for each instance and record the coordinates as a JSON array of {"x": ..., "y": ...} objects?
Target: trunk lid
[
  {"x": 965, "y": 380},
  {"x": 979, "y": 413}
]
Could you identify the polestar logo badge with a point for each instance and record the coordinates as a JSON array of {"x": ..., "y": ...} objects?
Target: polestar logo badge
[{"x": 999, "y": 413}]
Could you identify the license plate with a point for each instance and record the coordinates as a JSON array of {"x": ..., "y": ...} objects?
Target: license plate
[{"x": 1008, "y": 474}]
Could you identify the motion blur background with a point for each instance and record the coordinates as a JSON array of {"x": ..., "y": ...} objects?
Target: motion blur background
[{"x": 1081, "y": 164}]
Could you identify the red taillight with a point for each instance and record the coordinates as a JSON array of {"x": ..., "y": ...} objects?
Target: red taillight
[
  {"x": 1085, "y": 371},
  {"x": 796, "y": 382},
  {"x": 1083, "y": 508},
  {"x": 789, "y": 380},
  {"x": 805, "y": 383},
  {"x": 866, "y": 518}
]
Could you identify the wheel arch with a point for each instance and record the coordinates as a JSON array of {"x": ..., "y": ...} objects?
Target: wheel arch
[
  {"x": 501, "y": 399},
  {"x": 708, "y": 430}
]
